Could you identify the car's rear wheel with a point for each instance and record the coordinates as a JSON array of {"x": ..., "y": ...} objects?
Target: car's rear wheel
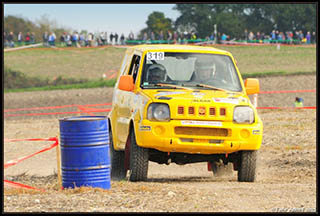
[
  {"x": 139, "y": 160},
  {"x": 247, "y": 166},
  {"x": 118, "y": 171}
]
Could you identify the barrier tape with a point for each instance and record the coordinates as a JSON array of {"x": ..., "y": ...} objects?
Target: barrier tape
[
  {"x": 84, "y": 109},
  {"x": 286, "y": 107},
  {"x": 286, "y": 91},
  {"x": 19, "y": 185},
  {"x": 18, "y": 160},
  {"x": 54, "y": 107},
  {"x": 57, "y": 113}
]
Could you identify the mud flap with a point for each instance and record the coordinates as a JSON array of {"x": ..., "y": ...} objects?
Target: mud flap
[{"x": 127, "y": 155}]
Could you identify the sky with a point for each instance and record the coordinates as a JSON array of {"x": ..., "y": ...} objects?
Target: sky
[{"x": 120, "y": 18}]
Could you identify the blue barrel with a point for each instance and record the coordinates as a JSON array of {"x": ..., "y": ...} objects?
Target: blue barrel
[{"x": 85, "y": 157}]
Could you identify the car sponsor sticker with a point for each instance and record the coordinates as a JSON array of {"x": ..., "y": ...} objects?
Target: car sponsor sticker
[
  {"x": 145, "y": 128},
  {"x": 168, "y": 93},
  {"x": 206, "y": 123},
  {"x": 155, "y": 56},
  {"x": 226, "y": 100},
  {"x": 256, "y": 132}
]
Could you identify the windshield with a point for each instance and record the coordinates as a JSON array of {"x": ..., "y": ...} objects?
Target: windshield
[{"x": 190, "y": 70}]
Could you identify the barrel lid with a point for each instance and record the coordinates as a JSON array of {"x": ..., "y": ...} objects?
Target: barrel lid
[{"x": 83, "y": 118}]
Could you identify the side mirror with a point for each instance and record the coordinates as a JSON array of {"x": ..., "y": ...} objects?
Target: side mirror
[
  {"x": 252, "y": 86},
  {"x": 126, "y": 83}
]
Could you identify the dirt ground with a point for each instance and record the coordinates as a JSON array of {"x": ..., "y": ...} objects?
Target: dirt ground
[{"x": 286, "y": 169}]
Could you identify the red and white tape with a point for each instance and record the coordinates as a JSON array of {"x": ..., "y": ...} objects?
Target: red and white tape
[{"x": 18, "y": 160}]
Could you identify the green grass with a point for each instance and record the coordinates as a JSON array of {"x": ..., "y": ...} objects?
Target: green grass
[
  {"x": 92, "y": 63},
  {"x": 88, "y": 63},
  {"x": 267, "y": 59}
]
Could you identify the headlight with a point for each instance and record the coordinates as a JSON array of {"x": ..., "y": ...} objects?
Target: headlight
[
  {"x": 158, "y": 111},
  {"x": 243, "y": 114}
]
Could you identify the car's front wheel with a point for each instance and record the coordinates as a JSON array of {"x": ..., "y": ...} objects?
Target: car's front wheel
[
  {"x": 247, "y": 166},
  {"x": 139, "y": 160}
]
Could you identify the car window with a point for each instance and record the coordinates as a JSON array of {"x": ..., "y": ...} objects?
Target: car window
[{"x": 134, "y": 66}]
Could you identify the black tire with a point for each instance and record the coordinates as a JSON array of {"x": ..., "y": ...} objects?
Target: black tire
[
  {"x": 247, "y": 166},
  {"x": 139, "y": 160},
  {"x": 118, "y": 171}
]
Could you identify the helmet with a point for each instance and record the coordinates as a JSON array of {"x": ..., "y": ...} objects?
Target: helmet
[
  {"x": 205, "y": 68},
  {"x": 156, "y": 72}
]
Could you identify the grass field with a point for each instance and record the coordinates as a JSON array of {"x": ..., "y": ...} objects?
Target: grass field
[{"x": 91, "y": 63}]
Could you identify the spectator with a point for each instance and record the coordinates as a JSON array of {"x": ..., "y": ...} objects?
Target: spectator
[
  {"x": 116, "y": 36},
  {"x": 5, "y": 39},
  {"x": 75, "y": 39},
  {"x": 145, "y": 36},
  {"x": 280, "y": 37},
  {"x": 193, "y": 36},
  {"x": 161, "y": 35},
  {"x": 32, "y": 38},
  {"x": 301, "y": 36},
  {"x": 258, "y": 36},
  {"x": 314, "y": 37},
  {"x": 122, "y": 39},
  {"x": 68, "y": 40},
  {"x": 211, "y": 36},
  {"x": 20, "y": 38},
  {"x": 152, "y": 36},
  {"x": 169, "y": 37},
  {"x": 52, "y": 39},
  {"x": 102, "y": 39},
  {"x": 111, "y": 38},
  {"x": 62, "y": 39},
  {"x": 45, "y": 38},
  {"x": 273, "y": 36},
  {"x": 223, "y": 37},
  {"x": 106, "y": 37},
  {"x": 246, "y": 35},
  {"x": 10, "y": 39},
  {"x": 90, "y": 39},
  {"x": 308, "y": 37},
  {"x": 131, "y": 36},
  {"x": 277, "y": 34},
  {"x": 175, "y": 37},
  {"x": 82, "y": 42},
  {"x": 27, "y": 39},
  {"x": 251, "y": 36}
]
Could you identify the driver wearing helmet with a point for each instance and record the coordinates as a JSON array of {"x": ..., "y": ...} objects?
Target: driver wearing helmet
[
  {"x": 204, "y": 69},
  {"x": 156, "y": 73}
]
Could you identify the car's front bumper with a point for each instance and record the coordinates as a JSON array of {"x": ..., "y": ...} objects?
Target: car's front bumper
[{"x": 202, "y": 137}]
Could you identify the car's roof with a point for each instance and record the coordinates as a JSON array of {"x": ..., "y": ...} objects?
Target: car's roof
[{"x": 173, "y": 47}]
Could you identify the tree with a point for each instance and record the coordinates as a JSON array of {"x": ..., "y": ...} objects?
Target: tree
[{"x": 157, "y": 22}]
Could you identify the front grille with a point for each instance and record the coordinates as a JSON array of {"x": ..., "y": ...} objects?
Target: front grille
[{"x": 196, "y": 131}]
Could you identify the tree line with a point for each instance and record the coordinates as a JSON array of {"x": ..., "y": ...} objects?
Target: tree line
[{"x": 234, "y": 19}]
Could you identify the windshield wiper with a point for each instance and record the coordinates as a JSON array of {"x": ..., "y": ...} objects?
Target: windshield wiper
[
  {"x": 211, "y": 87},
  {"x": 169, "y": 85}
]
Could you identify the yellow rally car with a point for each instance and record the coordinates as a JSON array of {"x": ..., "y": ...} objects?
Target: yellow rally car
[{"x": 182, "y": 104}]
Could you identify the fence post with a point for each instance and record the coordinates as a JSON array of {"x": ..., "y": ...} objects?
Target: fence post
[{"x": 58, "y": 164}]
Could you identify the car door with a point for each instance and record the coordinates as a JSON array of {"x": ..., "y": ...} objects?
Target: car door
[{"x": 125, "y": 104}]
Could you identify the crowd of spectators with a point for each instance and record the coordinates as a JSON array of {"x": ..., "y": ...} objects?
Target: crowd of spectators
[
  {"x": 276, "y": 36},
  {"x": 76, "y": 39}
]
